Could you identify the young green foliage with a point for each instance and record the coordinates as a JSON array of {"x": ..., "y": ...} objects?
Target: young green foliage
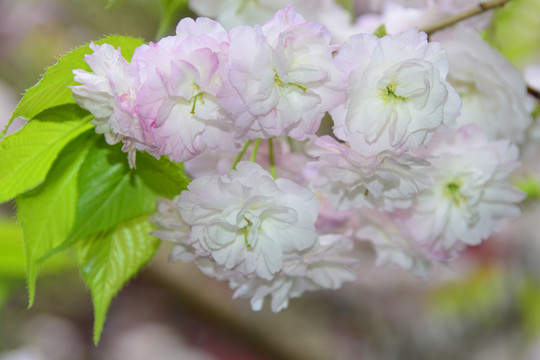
[
  {"x": 27, "y": 155},
  {"x": 109, "y": 259},
  {"x": 47, "y": 214}
]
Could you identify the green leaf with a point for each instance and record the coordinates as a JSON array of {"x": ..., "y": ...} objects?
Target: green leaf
[
  {"x": 162, "y": 176},
  {"x": 48, "y": 214},
  {"x": 27, "y": 155},
  {"x": 53, "y": 88},
  {"x": 110, "y": 192},
  {"x": 108, "y": 260}
]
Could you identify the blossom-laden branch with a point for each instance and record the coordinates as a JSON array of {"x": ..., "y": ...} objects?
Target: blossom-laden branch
[{"x": 478, "y": 9}]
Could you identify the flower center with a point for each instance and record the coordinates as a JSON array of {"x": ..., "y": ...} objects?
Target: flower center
[
  {"x": 281, "y": 84},
  {"x": 389, "y": 93},
  {"x": 452, "y": 192},
  {"x": 198, "y": 96}
]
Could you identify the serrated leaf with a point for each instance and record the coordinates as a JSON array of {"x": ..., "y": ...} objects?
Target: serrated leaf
[
  {"x": 53, "y": 88},
  {"x": 162, "y": 176},
  {"x": 110, "y": 192},
  {"x": 27, "y": 155},
  {"x": 48, "y": 214},
  {"x": 108, "y": 260}
]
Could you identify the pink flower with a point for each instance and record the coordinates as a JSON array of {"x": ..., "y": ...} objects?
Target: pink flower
[
  {"x": 177, "y": 100},
  {"x": 280, "y": 78},
  {"x": 108, "y": 92}
]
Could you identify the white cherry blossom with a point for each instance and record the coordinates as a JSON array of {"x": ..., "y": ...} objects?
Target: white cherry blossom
[
  {"x": 397, "y": 94},
  {"x": 470, "y": 194},
  {"x": 249, "y": 221}
]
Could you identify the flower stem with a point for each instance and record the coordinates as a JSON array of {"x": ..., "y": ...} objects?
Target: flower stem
[
  {"x": 241, "y": 154},
  {"x": 271, "y": 158},
  {"x": 254, "y": 151},
  {"x": 478, "y": 9}
]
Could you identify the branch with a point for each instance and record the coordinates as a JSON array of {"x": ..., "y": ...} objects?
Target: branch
[
  {"x": 480, "y": 8},
  {"x": 535, "y": 93}
]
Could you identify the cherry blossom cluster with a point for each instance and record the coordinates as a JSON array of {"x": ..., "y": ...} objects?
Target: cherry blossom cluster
[{"x": 277, "y": 202}]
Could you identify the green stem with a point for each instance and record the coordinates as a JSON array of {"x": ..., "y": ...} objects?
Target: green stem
[
  {"x": 254, "y": 151},
  {"x": 239, "y": 157},
  {"x": 271, "y": 158}
]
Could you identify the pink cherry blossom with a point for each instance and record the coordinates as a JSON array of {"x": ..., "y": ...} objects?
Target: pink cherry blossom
[
  {"x": 177, "y": 100},
  {"x": 280, "y": 78}
]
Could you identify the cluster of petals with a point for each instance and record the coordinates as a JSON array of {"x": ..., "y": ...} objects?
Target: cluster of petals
[
  {"x": 406, "y": 165},
  {"x": 180, "y": 79},
  {"x": 397, "y": 95},
  {"x": 470, "y": 192},
  {"x": 209, "y": 88},
  {"x": 281, "y": 78},
  {"x": 465, "y": 204},
  {"x": 255, "y": 232},
  {"x": 247, "y": 220}
]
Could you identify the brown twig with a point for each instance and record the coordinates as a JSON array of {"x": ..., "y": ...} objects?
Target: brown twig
[
  {"x": 480, "y": 8},
  {"x": 535, "y": 93}
]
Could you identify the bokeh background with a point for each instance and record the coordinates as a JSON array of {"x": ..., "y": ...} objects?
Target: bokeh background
[{"x": 486, "y": 305}]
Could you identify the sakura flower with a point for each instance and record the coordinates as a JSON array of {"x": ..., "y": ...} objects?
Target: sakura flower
[
  {"x": 177, "y": 100},
  {"x": 397, "y": 94},
  {"x": 351, "y": 180},
  {"x": 326, "y": 265},
  {"x": 247, "y": 220},
  {"x": 108, "y": 92},
  {"x": 471, "y": 193},
  {"x": 493, "y": 91},
  {"x": 280, "y": 78}
]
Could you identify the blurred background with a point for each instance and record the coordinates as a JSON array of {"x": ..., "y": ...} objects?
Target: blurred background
[{"x": 486, "y": 305}]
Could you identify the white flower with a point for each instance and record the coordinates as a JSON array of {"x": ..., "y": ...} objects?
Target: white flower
[
  {"x": 249, "y": 221},
  {"x": 471, "y": 192},
  {"x": 493, "y": 91},
  {"x": 397, "y": 96},
  {"x": 350, "y": 180}
]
